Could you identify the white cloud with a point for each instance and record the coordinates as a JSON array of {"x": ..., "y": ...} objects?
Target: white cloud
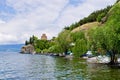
[
  {"x": 7, "y": 38},
  {"x": 2, "y": 22},
  {"x": 34, "y": 17}
]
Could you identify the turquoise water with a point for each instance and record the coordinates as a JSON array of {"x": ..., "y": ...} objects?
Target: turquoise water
[
  {"x": 16, "y": 66},
  {"x": 11, "y": 48}
]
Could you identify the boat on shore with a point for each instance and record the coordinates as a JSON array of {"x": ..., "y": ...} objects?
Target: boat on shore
[{"x": 100, "y": 59}]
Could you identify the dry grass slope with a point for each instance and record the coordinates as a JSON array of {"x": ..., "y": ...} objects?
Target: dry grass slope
[{"x": 86, "y": 26}]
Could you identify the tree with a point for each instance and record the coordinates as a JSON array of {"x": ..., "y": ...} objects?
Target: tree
[
  {"x": 54, "y": 49},
  {"x": 41, "y": 45},
  {"x": 107, "y": 37},
  {"x": 80, "y": 41},
  {"x": 32, "y": 40},
  {"x": 77, "y": 35},
  {"x": 64, "y": 41},
  {"x": 80, "y": 47},
  {"x": 26, "y": 42},
  {"x": 100, "y": 16},
  {"x": 113, "y": 32},
  {"x": 117, "y": 1}
]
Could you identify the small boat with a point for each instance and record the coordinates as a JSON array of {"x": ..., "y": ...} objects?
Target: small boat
[
  {"x": 87, "y": 55},
  {"x": 99, "y": 59}
]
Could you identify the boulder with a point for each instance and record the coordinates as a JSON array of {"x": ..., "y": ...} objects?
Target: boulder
[{"x": 104, "y": 19}]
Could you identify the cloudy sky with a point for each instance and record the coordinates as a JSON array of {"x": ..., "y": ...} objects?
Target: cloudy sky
[{"x": 19, "y": 19}]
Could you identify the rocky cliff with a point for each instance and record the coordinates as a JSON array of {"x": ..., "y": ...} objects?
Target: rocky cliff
[{"x": 28, "y": 49}]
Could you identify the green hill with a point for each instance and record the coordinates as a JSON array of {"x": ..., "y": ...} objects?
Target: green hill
[
  {"x": 96, "y": 16},
  {"x": 114, "y": 14},
  {"x": 111, "y": 18}
]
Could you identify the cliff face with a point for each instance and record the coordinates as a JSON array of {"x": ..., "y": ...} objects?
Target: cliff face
[{"x": 28, "y": 49}]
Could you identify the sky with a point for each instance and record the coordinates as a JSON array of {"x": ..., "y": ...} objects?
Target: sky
[{"x": 20, "y": 19}]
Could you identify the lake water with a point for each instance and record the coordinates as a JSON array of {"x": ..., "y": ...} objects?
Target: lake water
[
  {"x": 16, "y": 66},
  {"x": 11, "y": 48}
]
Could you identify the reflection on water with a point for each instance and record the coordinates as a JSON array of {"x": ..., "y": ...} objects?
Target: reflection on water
[
  {"x": 40, "y": 67},
  {"x": 102, "y": 72}
]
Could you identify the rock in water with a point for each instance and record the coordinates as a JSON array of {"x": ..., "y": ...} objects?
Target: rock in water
[{"x": 28, "y": 49}]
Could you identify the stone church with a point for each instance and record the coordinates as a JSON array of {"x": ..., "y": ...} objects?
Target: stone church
[{"x": 43, "y": 37}]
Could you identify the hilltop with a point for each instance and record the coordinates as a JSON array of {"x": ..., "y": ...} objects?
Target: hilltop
[
  {"x": 96, "y": 16},
  {"x": 111, "y": 15}
]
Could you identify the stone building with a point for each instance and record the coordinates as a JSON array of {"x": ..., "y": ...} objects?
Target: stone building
[{"x": 43, "y": 37}]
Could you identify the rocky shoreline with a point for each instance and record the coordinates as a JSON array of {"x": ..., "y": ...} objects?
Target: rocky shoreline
[{"x": 28, "y": 49}]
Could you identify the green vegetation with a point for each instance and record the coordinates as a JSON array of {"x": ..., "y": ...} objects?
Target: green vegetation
[
  {"x": 41, "y": 46},
  {"x": 104, "y": 38},
  {"x": 107, "y": 37},
  {"x": 64, "y": 41},
  {"x": 80, "y": 43},
  {"x": 117, "y": 1}
]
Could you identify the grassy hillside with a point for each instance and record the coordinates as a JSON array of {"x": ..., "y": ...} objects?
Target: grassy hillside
[
  {"x": 112, "y": 15},
  {"x": 95, "y": 16},
  {"x": 86, "y": 26}
]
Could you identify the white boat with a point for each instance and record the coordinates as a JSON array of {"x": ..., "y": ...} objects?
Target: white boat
[
  {"x": 87, "y": 55},
  {"x": 99, "y": 59}
]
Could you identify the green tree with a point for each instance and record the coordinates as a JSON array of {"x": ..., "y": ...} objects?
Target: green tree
[
  {"x": 26, "y": 42},
  {"x": 77, "y": 35},
  {"x": 64, "y": 41},
  {"x": 41, "y": 45},
  {"x": 100, "y": 16},
  {"x": 54, "y": 49},
  {"x": 107, "y": 37},
  {"x": 80, "y": 41},
  {"x": 80, "y": 47},
  {"x": 32, "y": 40},
  {"x": 117, "y": 1},
  {"x": 113, "y": 32}
]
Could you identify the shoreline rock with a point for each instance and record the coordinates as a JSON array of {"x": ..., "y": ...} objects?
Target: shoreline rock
[{"x": 28, "y": 49}]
